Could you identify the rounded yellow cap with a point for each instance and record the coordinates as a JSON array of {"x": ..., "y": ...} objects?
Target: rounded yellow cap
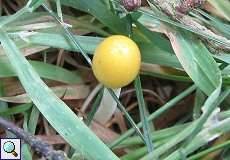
[{"x": 116, "y": 61}]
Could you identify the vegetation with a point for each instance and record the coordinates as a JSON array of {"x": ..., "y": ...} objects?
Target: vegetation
[{"x": 176, "y": 108}]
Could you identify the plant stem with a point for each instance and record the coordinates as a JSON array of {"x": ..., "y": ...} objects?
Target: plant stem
[{"x": 142, "y": 110}]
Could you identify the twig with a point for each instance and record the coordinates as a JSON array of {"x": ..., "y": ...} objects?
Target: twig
[{"x": 39, "y": 146}]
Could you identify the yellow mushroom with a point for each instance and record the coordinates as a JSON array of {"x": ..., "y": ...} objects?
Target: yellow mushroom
[{"x": 116, "y": 61}]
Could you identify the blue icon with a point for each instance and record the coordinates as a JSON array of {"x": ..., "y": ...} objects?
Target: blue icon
[{"x": 9, "y": 147}]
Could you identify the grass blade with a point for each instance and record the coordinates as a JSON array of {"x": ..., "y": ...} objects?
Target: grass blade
[
  {"x": 26, "y": 153},
  {"x": 196, "y": 60},
  {"x": 142, "y": 110},
  {"x": 33, "y": 120},
  {"x": 222, "y": 6},
  {"x": 47, "y": 71},
  {"x": 101, "y": 12},
  {"x": 95, "y": 106},
  {"x": 199, "y": 100},
  {"x": 15, "y": 110}
]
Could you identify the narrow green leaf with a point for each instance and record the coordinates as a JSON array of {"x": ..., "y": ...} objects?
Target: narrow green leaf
[
  {"x": 196, "y": 60},
  {"x": 142, "y": 110},
  {"x": 199, "y": 101},
  {"x": 15, "y": 110},
  {"x": 33, "y": 120},
  {"x": 95, "y": 106},
  {"x": 222, "y": 6},
  {"x": 4, "y": 108},
  {"x": 53, "y": 72},
  {"x": 26, "y": 152},
  {"x": 57, "y": 40},
  {"x": 101, "y": 12},
  {"x": 47, "y": 71},
  {"x": 208, "y": 108},
  {"x": 168, "y": 75},
  {"x": 150, "y": 53},
  {"x": 3, "y": 105},
  {"x": 157, "y": 39},
  {"x": 216, "y": 23},
  {"x": 157, "y": 135}
]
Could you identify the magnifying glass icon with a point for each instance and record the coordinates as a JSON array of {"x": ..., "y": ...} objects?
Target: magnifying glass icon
[{"x": 9, "y": 147}]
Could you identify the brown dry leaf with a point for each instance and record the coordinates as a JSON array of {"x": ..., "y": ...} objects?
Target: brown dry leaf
[
  {"x": 28, "y": 50},
  {"x": 105, "y": 134},
  {"x": 120, "y": 120},
  {"x": 53, "y": 139},
  {"x": 147, "y": 67},
  {"x": 12, "y": 87},
  {"x": 208, "y": 7},
  {"x": 66, "y": 92}
]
